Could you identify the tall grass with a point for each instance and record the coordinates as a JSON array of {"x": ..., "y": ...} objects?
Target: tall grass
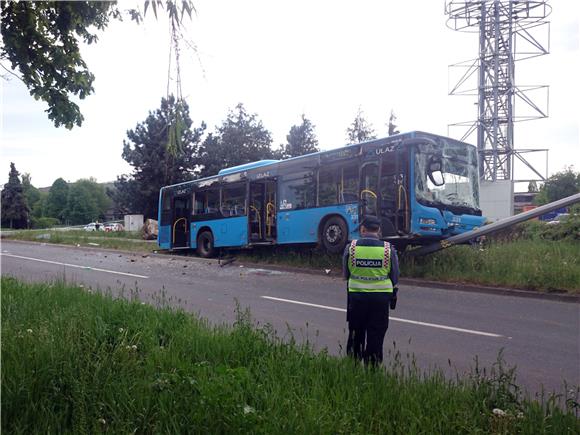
[
  {"x": 74, "y": 362},
  {"x": 528, "y": 264},
  {"x": 111, "y": 240}
]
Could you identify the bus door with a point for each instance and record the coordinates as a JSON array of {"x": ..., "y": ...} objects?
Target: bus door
[
  {"x": 181, "y": 219},
  {"x": 262, "y": 213},
  {"x": 369, "y": 190},
  {"x": 394, "y": 201}
]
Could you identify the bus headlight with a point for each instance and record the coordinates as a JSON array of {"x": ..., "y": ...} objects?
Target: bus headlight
[{"x": 427, "y": 221}]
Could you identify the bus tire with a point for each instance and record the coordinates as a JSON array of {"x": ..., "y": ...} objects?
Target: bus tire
[
  {"x": 205, "y": 245},
  {"x": 334, "y": 235}
]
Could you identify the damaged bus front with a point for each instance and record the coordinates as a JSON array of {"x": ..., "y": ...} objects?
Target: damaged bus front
[{"x": 446, "y": 188}]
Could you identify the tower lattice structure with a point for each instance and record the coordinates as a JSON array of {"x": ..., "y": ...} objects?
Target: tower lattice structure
[{"x": 501, "y": 24}]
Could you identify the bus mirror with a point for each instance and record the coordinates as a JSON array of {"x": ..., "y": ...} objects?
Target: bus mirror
[{"x": 435, "y": 173}]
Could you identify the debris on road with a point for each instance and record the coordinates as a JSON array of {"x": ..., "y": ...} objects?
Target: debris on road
[{"x": 93, "y": 244}]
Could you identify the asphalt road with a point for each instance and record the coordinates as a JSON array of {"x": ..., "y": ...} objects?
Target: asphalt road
[{"x": 443, "y": 328}]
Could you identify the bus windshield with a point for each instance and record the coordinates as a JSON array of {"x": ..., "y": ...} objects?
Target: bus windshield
[{"x": 457, "y": 184}]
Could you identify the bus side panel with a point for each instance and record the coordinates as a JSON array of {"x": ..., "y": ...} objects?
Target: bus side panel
[
  {"x": 229, "y": 232},
  {"x": 164, "y": 237},
  {"x": 301, "y": 226}
]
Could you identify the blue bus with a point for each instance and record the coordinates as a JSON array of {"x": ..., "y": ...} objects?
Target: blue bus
[{"x": 422, "y": 187}]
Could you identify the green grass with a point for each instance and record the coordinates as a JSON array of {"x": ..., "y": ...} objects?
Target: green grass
[
  {"x": 112, "y": 240},
  {"x": 75, "y": 362},
  {"x": 528, "y": 264}
]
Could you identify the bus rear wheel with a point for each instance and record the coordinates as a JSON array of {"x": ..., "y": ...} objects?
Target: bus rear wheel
[
  {"x": 205, "y": 245},
  {"x": 334, "y": 235}
]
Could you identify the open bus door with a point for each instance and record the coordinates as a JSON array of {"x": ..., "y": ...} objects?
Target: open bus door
[
  {"x": 394, "y": 201},
  {"x": 180, "y": 222},
  {"x": 262, "y": 213},
  {"x": 369, "y": 191}
]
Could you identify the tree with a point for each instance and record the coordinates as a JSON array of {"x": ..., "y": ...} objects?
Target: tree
[
  {"x": 41, "y": 41},
  {"x": 86, "y": 202},
  {"x": 31, "y": 193},
  {"x": 154, "y": 164},
  {"x": 15, "y": 210},
  {"x": 56, "y": 200},
  {"x": 240, "y": 139},
  {"x": 360, "y": 130},
  {"x": 532, "y": 187},
  {"x": 558, "y": 186},
  {"x": 299, "y": 141},
  {"x": 392, "y": 126}
]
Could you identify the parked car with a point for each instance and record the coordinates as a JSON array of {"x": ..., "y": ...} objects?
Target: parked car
[
  {"x": 94, "y": 226},
  {"x": 114, "y": 227},
  {"x": 558, "y": 219}
]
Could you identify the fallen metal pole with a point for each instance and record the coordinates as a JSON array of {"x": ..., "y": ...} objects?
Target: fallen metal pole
[{"x": 496, "y": 226}]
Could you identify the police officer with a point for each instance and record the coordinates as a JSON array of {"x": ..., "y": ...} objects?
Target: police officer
[{"x": 371, "y": 267}]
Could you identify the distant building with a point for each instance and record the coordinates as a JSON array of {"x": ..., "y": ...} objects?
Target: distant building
[{"x": 524, "y": 201}]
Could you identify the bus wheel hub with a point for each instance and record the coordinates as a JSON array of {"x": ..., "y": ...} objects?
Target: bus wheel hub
[{"x": 333, "y": 233}]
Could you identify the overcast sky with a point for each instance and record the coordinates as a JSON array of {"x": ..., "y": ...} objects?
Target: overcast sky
[{"x": 324, "y": 59}]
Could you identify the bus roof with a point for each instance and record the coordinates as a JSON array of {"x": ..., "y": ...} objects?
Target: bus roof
[{"x": 266, "y": 163}]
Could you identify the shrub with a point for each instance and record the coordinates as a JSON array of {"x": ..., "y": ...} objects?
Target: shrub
[{"x": 44, "y": 222}]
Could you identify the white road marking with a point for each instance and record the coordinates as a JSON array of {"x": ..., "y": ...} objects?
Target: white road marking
[
  {"x": 75, "y": 265},
  {"x": 396, "y": 319}
]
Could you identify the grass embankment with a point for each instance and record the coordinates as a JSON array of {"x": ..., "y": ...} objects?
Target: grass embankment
[
  {"x": 74, "y": 362},
  {"x": 112, "y": 240},
  {"x": 543, "y": 265}
]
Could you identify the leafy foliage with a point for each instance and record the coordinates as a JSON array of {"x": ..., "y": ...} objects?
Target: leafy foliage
[
  {"x": 240, "y": 139},
  {"x": 558, "y": 186},
  {"x": 15, "y": 210},
  {"x": 41, "y": 41},
  {"x": 300, "y": 140},
  {"x": 360, "y": 130},
  {"x": 154, "y": 165},
  {"x": 56, "y": 202},
  {"x": 86, "y": 202}
]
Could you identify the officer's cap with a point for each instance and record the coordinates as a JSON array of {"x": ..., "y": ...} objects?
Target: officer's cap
[{"x": 370, "y": 223}]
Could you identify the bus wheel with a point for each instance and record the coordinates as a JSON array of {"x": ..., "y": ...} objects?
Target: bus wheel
[
  {"x": 205, "y": 247},
  {"x": 334, "y": 235}
]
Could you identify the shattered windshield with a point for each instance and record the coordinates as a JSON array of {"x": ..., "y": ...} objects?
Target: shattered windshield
[{"x": 459, "y": 168}]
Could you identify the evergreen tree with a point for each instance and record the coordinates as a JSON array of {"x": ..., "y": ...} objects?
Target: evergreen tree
[
  {"x": 240, "y": 139},
  {"x": 392, "y": 126},
  {"x": 300, "y": 140},
  {"x": 154, "y": 164},
  {"x": 15, "y": 210},
  {"x": 360, "y": 130},
  {"x": 56, "y": 200}
]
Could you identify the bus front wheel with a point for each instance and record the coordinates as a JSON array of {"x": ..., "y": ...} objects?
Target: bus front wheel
[
  {"x": 205, "y": 245},
  {"x": 334, "y": 235}
]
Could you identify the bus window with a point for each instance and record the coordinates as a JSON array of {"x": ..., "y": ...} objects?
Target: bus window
[
  {"x": 369, "y": 189},
  {"x": 298, "y": 190},
  {"x": 349, "y": 184},
  {"x": 328, "y": 185},
  {"x": 207, "y": 202},
  {"x": 234, "y": 200},
  {"x": 338, "y": 185},
  {"x": 165, "y": 208}
]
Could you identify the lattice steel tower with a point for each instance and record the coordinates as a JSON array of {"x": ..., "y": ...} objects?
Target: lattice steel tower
[{"x": 501, "y": 25}]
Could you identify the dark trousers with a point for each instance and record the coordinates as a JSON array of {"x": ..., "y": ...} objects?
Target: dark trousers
[{"x": 368, "y": 320}]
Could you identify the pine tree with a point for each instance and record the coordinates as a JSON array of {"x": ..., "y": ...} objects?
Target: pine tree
[
  {"x": 154, "y": 164},
  {"x": 300, "y": 140},
  {"x": 360, "y": 130},
  {"x": 15, "y": 210},
  {"x": 240, "y": 139}
]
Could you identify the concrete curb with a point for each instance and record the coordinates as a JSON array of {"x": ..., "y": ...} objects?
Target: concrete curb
[{"x": 505, "y": 291}]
